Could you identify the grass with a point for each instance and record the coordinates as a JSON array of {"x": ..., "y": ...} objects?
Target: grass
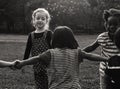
[{"x": 10, "y": 51}]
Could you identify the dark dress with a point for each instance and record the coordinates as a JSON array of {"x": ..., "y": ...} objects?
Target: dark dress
[
  {"x": 114, "y": 61},
  {"x": 37, "y": 44}
]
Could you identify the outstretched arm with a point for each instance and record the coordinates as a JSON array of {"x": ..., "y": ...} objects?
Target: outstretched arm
[
  {"x": 93, "y": 57},
  {"x": 91, "y": 47},
  {"x": 5, "y": 64},
  {"x": 44, "y": 58},
  {"x": 30, "y": 61}
]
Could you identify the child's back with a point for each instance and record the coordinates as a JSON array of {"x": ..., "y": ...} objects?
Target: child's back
[{"x": 64, "y": 67}]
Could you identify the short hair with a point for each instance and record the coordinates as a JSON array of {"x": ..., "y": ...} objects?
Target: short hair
[
  {"x": 117, "y": 38},
  {"x": 110, "y": 12},
  {"x": 63, "y": 37}
]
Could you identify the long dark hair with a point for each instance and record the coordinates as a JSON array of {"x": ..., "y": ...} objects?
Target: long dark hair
[{"x": 63, "y": 37}]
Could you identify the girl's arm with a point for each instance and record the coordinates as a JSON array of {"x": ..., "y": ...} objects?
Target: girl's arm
[
  {"x": 6, "y": 64},
  {"x": 91, "y": 47},
  {"x": 44, "y": 58},
  {"x": 28, "y": 47},
  {"x": 30, "y": 61},
  {"x": 93, "y": 57}
]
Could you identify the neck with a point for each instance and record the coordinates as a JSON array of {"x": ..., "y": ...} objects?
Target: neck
[
  {"x": 39, "y": 30},
  {"x": 111, "y": 36}
]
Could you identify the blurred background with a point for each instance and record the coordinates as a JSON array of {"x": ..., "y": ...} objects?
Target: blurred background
[{"x": 83, "y": 16}]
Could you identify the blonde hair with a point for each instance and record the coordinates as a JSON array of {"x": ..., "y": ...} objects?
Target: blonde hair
[{"x": 46, "y": 13}]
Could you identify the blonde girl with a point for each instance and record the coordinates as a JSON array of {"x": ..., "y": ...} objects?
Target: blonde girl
[{"x": 38, "y": 42}]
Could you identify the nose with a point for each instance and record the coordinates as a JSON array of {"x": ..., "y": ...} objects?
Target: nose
[
  {"x": 40, "y": 19},
  {"x": 113, "y": 27}
]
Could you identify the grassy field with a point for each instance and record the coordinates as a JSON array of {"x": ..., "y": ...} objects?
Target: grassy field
[{"x": 13, "y": 48}]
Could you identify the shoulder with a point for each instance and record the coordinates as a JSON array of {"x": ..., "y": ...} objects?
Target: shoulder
[
  {"x": 31, "y": 33},
  {"x": 45, "y": 57},
  {"x": 52, "y": 51},
  {"x": 49, "y": 32},
  {"x": 103, "y": 36},
  {"x": 47, "y": 53}
]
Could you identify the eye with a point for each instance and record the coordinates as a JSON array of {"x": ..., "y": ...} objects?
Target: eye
[
  {"x": 113, "y": 24},
  {"x": 43, "y": 18},
  {"x": 37, "y": 18}
]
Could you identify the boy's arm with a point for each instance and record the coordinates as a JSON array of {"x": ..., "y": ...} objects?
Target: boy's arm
[
  {"x": 91, "y": 47},
  {"x": 93, "y": 57}
]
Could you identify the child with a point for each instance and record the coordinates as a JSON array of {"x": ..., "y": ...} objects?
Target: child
[
  {"x": 114, "y": 63},
  {"x": 62, "y": 62},
  {"x": 105, "y": 40},
  {"x": 38, "y": 42}
]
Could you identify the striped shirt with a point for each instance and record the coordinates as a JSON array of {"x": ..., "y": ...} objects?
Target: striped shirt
[
  {"x": 63, "y": 71},
  {"x": 108, "y": 48}
]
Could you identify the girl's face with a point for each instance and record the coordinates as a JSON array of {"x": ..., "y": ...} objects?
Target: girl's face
[
  {"x": 112, "y": 25},
  {"x": 40, "y": 20}
]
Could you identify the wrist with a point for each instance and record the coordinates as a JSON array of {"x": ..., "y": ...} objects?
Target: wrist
[{"x": 11, "y": 64}]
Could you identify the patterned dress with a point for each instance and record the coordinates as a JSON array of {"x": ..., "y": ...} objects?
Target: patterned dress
[{"x": 39, "y": 45}]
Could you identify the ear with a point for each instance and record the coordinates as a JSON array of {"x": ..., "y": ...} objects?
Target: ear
[
  {"x": 32, "y": 22},
  {"x": 105, "y": 25},
  {"x": 47, "y": 20}
]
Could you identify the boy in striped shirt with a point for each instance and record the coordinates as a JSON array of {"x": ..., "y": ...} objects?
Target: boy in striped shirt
[{"x": 105, "y": 41}]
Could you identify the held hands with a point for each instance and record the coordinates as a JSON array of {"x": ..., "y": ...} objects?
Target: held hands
[{"x": 16, "y": 65}]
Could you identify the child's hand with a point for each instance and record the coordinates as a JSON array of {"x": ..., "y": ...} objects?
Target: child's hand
[
  {"x": 12, "y": 65},
  {"x": 17, "y": 64}
]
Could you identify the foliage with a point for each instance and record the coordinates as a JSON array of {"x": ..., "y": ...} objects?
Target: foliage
[
  {"x": 68, "y": 12},
  {"x": 81, "y": 15}
]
